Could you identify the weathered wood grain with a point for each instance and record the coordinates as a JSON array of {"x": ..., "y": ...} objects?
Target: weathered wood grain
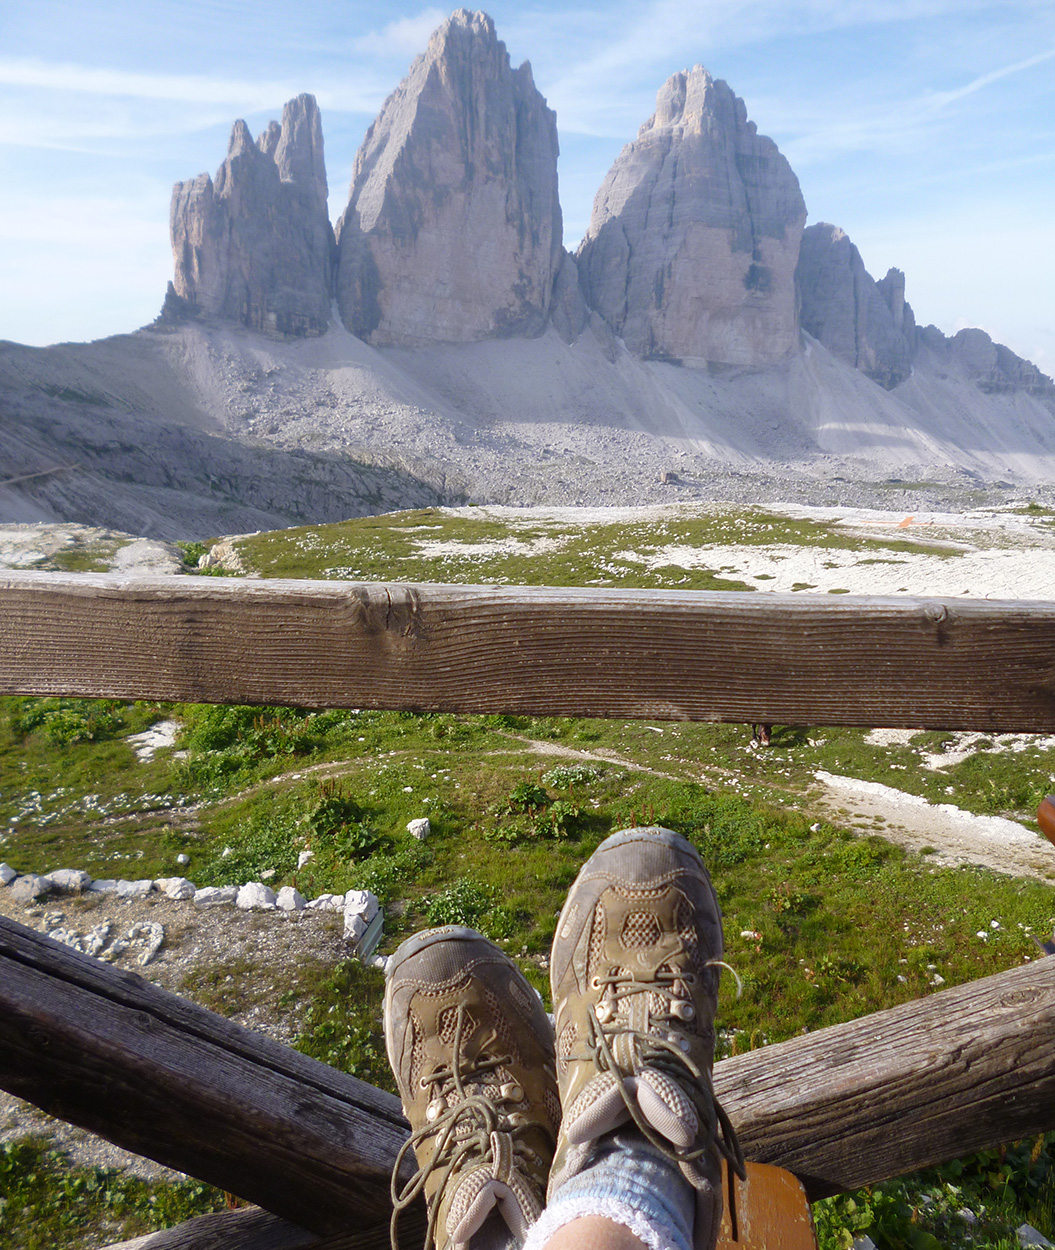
[
  {"x": 254, "y": 1229},
  {"x": 165, "y": 1078},
  {"x": 791, "y": 659},
  {"x": 962, "y": 1070},
  {"x": 965, "y": 1069}
]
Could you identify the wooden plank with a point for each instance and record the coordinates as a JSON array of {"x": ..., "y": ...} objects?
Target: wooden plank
[
  {"x": 791, "y": 659},
  {"x": 254, "y": 1229},
  {"x": 164, "y": 1078},
  {"x": 966, "y": 1069}
]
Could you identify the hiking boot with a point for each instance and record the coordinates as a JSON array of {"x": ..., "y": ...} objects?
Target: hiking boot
[
  {"x": 472, "y": 1052},
  {"x": 634, "y": 974}
]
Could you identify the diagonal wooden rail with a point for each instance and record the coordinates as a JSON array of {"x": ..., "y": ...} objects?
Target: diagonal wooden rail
[{"x": 816, "y": 659}]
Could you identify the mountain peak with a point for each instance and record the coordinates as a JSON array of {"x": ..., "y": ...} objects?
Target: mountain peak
[
  {"x": 453, "y": 226},
  {"x": 694, "y": 237}
]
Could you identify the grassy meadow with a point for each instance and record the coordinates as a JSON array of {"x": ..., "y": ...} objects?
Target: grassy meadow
[{"x": 825, "y": 919}]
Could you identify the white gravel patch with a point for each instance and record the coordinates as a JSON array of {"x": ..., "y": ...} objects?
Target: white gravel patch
[
  {"x": 956, "y": 836},
  {"x": 150, "y": 741}
]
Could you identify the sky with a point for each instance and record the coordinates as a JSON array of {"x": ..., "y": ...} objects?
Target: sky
[{"x": 925, "y": 129}]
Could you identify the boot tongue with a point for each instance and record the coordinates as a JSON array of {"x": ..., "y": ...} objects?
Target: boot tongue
[
  {"x": 662, "y": 1103},
  {"x": 493, "y": 1186}
]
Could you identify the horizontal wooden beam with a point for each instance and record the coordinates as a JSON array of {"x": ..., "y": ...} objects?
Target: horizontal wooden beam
[
  {"x": 167, "y": 1079},
  {"x": 965, "y": 1069},
  {"x": 791, "y": 659},
  {"x": 252, "y": 1228}
]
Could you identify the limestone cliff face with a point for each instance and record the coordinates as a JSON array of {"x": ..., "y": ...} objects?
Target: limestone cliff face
[
  {"x": 866, "y": 323},
  {"x": 453, "y": 227},
  {"x": 255, "y": 246},
  {"x": 695, "y": 234},
  {"x": 992, "y": 367}
]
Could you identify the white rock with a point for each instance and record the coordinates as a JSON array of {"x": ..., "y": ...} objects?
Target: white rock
[
  {"x": 354, "y": 926},
  {"x": 30, "y": 886},
  {"x": 305, "y": 857},
  {"x": 149, "y": 937},
  {"x": 361, "y": 903},
  {"x": 182, "y": 860},
  {"x": 69, "y": 880},
  {"x": 134, "y": 889},
  {"x": 255, "y": 896},
  {"x": 419, "y": 829},
  {"x": 864, "y": 1242},
  {"x": 1029, "y": 1236},
  {"x": 377, "y": 961},
  {"x": 103, "y": 885},
  {"x": 176, "y": 887},
  {"x": 7, "y": 874},
  {"x": 267, "y": 874},
  {"x": 327, "y": 902},
  {"x": 211, "y": 894},
  {"x": 289, "y": 899}
]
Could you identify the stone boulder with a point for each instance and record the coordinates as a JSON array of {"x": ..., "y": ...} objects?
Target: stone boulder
[
  {"x": 692, "y": 245},
  {"x": 453, "y": 227},
  {"x": 866, "y": 323},
  {"x": 255, "y": 246}
]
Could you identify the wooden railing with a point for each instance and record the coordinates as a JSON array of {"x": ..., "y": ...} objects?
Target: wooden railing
[{"x": 964, "y": 1069}]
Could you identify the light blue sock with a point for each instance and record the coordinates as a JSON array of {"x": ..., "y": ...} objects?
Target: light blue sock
[{"x": 629, "y": 1181}]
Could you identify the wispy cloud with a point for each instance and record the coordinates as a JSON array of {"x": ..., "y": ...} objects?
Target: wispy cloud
[
  {"x": 184, "y": 88},
  {"x": 942, "y": 99},
  {"x": 405, "y": 37}
]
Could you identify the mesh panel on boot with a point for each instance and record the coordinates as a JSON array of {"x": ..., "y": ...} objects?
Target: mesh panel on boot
[{"x": 641, "y": 928}]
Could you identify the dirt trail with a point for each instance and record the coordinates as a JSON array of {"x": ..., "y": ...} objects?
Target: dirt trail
[{"x": 949, "y": 834}]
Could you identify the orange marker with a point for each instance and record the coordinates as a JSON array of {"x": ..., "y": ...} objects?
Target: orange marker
[{"x": 1046, "y": 817}]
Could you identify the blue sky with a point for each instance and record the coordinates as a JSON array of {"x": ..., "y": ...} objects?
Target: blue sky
[{"x": 924, "y": 128}]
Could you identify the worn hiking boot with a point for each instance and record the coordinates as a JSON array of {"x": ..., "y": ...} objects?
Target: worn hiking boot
[
  {"x": 472, "y": 1052},
  {"x": 634, "y": 974}
]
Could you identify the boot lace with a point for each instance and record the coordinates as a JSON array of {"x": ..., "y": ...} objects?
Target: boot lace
[
  {"x": 473, "y": 1129},
  {"x": 665, "y": 1050}
]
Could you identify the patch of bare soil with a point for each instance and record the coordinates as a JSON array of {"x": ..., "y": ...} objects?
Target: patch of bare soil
[{"x": 254, "y": 967}]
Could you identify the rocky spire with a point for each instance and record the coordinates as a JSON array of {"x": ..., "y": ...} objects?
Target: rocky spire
[
  {"x": 692, "y": 246},
  {"x": 453, "y": 227},
  {"x": 866, "y": 323},
  {"x": 255, "y": 246}
]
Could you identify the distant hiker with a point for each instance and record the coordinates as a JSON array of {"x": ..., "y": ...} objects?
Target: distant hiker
[{"x": 761, "y": 733}]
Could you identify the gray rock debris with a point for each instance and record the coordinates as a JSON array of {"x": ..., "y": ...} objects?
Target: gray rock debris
[
  {"x": 692, "y": 245},
  {"x": 453, "y": 227},
  {"x": 7, "y": 874},
  {"x": 256, "y": 246},
  {"x": 866, "y": 323}
]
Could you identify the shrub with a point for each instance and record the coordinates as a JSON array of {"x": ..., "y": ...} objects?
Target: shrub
[
  {"x": 528, "y": 796},
  {"x": 469, "y": 903},
  {"x": 565, "y": 776},
  {"x": 64, "y": 722}
]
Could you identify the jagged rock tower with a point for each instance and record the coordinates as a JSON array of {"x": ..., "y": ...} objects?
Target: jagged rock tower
[
  {"x": 453, "y": 228},
  {"x": 256, "y": 245},
  {"x": 866, "y": 323},
  {"x": 692, "y": 246}
]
